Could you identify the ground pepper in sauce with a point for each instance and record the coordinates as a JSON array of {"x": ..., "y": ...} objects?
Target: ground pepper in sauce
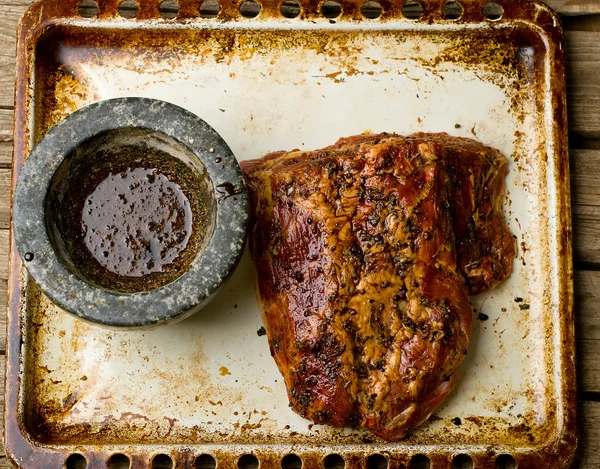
[{"x": 135, "y": 221}]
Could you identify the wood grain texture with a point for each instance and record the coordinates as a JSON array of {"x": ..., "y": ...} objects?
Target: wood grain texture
[
  {"x": 587, "y": 314},
  {"x": 582, "y": 50},
  {"x": 6, "y": 124},
  {"x": 5, "y": 188},
  {"x": 585, "y": 174},
  {"x": 3, "y": 292},
  {"x": 10, "y": 14},
  {"x": 574, "y": 7},
  {"x": 6, "y": 151},
  {"x": 589, "y": 436}
]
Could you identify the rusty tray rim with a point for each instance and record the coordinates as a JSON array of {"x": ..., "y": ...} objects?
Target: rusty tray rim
[{"x": 43, "y": 15}]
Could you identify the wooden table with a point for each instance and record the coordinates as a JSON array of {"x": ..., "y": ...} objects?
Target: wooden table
[{"x": 581, "y": 19}]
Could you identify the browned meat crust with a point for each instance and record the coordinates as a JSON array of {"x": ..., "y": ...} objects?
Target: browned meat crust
[{"x": 366, "y": 252}]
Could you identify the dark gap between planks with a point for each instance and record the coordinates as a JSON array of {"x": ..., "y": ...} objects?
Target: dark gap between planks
[
  {"x": 586, "y": 22},
  {"x": 593, "y": 396},
  {"x": 589, "y": 266},
  {"x": 578, "y": 142}
]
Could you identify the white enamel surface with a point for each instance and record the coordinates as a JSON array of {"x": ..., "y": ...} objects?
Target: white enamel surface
[{"x": 213, "y": 371}]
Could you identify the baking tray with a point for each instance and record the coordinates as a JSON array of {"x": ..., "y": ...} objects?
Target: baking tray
[{"x": 208, "y": 385}]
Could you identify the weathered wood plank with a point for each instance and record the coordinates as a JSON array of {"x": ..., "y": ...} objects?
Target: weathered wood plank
[
  {"x": 589, "y": 436},
  {"x": 6, "y": 124},
  {"x": 574, "y": 7},
  {"x": 9, "y": 18},
  {"x": 585, "y": 174},
  {"x": 587, "y": 317},
  {"x": 21, "y": 3},
  {"x": 588, "y": 366},
  {"x": 3, "y": 290},
  {"x": 587, "y": 307},
  {"x": 5, "y": 188},
  {"x": 6, "y": 150},
  {"x": 586, "y": 235},
  {"x": 582, "y": 49}
]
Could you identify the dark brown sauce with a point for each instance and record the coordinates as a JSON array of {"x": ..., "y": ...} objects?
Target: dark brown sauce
[{"x": 135, "y": 222}]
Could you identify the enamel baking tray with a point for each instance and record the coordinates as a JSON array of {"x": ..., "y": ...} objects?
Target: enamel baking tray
[{"x": 207, "y": 385}]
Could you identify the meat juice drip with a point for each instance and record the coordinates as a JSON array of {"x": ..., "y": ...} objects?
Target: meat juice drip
[{"x": 135, "y": 222}]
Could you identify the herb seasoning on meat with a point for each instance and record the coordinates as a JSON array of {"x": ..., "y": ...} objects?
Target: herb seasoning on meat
[{"x": 366, "y": 254}]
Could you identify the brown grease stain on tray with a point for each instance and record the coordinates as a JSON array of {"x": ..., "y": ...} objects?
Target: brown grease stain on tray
[{"x": 62, "y": 87}]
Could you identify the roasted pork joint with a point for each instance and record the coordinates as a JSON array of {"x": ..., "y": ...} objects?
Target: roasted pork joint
[{"x": 366, "y": 253}]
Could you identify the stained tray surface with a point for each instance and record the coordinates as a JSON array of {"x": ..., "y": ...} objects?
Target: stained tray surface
[{"x": 209, "y": 384}]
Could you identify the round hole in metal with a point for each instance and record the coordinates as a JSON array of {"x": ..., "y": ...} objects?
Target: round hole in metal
[
  {"x": 162, "y": 461},
  {"x": 412, "y": 10},
  {"x": 462, "y": 461},
  {"x": 420, "y": 461},
  {"x": 492, "y": 11},
  {"x": 205, "y": 461},
  {"x": 371, "y": 9},
  {"x": 248, "y": 461},
  {"x": 291, "y": 461},
  {"x": 169, "y": 9},
  {"x": 452, "y": 10},
  {"x": 250, "y": 9},
  {"x": 290, "y": 9},
  {"x": 129, "y": 9},
  {"x": 119, "y": 461},
  {"x": 76, "y": 461},
  {"x": 506, "y": 461},
  {"x": 88, "y": 9},
  {"x": 210, "y": 9},
  {"x": 334, "y": 461},
  {"x": 377, "y": 461},
  {"x": 331, "y": 9}
]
